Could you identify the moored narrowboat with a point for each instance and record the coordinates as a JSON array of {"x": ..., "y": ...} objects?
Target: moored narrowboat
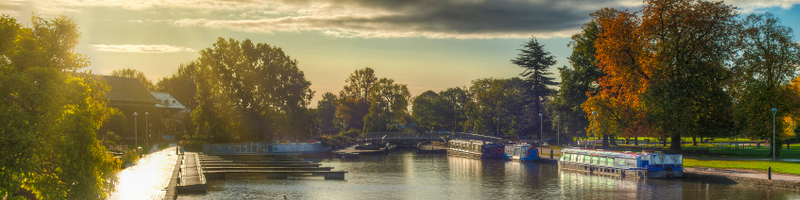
[
  {"x": 477, "y": 149},
  {"x": 625, "y": 164}
]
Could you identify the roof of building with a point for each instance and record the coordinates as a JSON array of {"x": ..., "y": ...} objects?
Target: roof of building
[
  {"x": 127, "y": 89},
  {"x": 167, "y": 101}
]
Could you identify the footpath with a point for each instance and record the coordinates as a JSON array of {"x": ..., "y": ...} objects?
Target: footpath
[
  {"x": 745, "y": 177},
  {"x": 150, "y": 178}
]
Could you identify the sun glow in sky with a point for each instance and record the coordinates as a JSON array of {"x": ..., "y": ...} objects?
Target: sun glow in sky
[{"x": 426, "y": 44}]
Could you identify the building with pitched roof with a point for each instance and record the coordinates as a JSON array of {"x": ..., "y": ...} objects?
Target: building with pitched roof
[{"x": 129, "y": 96}]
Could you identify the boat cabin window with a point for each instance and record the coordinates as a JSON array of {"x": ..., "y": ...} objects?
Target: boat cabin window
[
  {"x": 566, "y": 156},
  {"x": 595, "y": 160},
  {"x": 602, "y": 161},
  {"x": 610, "y": 162},
  {"x": 621, "y": 161}
]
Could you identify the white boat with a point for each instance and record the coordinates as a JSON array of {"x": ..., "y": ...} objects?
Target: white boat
[{"x": 625, "y": 164}]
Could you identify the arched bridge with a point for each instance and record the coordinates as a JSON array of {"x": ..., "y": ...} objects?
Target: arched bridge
[
  {"x": 408, "y": 138},
  {"x": 412, "y": 138}
]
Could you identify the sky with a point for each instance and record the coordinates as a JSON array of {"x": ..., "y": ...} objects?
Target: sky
[{"x": 425, "y": 44}]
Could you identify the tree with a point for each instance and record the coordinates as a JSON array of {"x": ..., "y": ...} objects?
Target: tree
[
  {"x": 666, "y": 66},
  {"x": 388, "y": 105},
  {"x": 768, "y": 62},
  {"x": 182, "y": 85},
  {"x": 50, "y": 114},
  {"x": 443, "y": 111},
  {"x": 455, "y": 101},
  {"x": 495, "y": 110},
  {"x": 134, "y": 74},
  {"x": 536, "y": 62},
  {"x": 577, "y": 82},
  {"x": 354, "y": 99},
  {"x": 690, "y": 43},
  {"x": 247, "y": 92},
  {"x": 327, "y": 111},
  {"x": 625, "y": 76},
  {"x": 428, "y": 111}
]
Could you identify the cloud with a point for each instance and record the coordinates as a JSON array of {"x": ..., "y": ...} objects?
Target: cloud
[
  {"x": 131, "y": 48},
  {"x": 392, "y": 18}
]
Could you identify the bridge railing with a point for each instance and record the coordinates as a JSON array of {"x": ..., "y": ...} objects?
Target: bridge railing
[{"x": 406, "y": 135}]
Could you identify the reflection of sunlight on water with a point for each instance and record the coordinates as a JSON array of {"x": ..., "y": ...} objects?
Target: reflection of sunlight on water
[
  {"x": 148, "y": 178},
  {"x": 465, "y": 167},
  {"x": 572, "y": 184}
]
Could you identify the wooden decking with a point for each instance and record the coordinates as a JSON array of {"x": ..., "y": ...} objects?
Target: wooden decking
[
  {"x": 192, "y": 178},
  {"x": 259, "y": 166}
]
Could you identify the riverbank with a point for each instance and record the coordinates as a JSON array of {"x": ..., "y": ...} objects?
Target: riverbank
[{"x": 745, "y": 177}]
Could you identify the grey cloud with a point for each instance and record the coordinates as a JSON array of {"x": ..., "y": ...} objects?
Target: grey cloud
[{"x": 427, "y": 18}]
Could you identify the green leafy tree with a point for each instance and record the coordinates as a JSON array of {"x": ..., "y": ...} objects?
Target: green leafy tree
[
  {"x": 577, "y": 81},
  {"x": 536, "y": 62},
  {"x": 455, "y": 100},
  {"x": 768, "y": 62},
  {"x": 354, "y": 99},
  {"x": 429, "y": 113},
  {"x": 388, "y": 106},
  {"x": 182, "y": 85},
  {"x": 496, "y": 109},
  {"x": 327, "y": 111},
  {"x": 247, "y": 92},
  {"x": 50, "y": 114}
]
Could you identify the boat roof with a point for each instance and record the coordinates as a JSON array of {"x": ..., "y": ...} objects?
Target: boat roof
[{"x": 595, "y": 152}]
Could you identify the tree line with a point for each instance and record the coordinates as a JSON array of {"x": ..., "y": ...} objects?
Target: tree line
[{"x": 680, "y": 69}]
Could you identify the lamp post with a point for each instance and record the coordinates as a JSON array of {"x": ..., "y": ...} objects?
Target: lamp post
[
  {"x": 594, "y": 130},
  {"x": 541, "y": 138},
  {"x": 136, "y": 129},
  {"x": 467, "y": 128},
  {"x": 498, "y": 126},
  {"x": 146, "y": 128},
  {"x": 774, "y": 110},
  {"x": 558, "y": 129}
]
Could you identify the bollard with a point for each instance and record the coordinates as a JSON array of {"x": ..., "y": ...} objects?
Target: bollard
[
  {"x": 769, "y": 172},
  {"x": 551, "y": 153}
]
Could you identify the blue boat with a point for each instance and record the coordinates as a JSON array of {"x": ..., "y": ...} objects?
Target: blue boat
[{"x": 521, "y": 152}]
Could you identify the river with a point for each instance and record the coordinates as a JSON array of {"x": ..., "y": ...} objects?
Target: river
[{"x": 405, "y": 175}]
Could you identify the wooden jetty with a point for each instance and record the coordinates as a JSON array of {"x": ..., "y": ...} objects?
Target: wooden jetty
[
  {"x": 261, "y": 166},
  {"x": 431, "y": 149},
  {"x": 192, "y": 178},
  {"x": 353, "y": 152}
]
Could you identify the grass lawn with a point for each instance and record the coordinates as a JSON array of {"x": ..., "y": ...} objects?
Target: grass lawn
[
  {"x": 754, "y": 153},
  {"x": 778, "y": 167}
]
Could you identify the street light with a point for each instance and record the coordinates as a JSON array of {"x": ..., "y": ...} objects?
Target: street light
[
  {"x": 541, "y": 142},
  {"x": 498, "y": 126},
  {"x": 774, "y": 110},
  {"x": 594, "y": 130},
  {"x": 146, "y": 128},
  {"x": 468, "y": 121},
  {"x": 136, "y": 129},
  {"x": 558, "y": 129}
]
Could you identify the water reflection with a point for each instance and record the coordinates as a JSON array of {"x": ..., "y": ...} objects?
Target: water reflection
[{"x": 406, "y": 175}]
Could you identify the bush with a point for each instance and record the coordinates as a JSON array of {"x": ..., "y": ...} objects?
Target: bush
[
  {"x": 130, "y": 156},
  {"x": 193, "y": 146},
  {"x": 352, "y": 133}
]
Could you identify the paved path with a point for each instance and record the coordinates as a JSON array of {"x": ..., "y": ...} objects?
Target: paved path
[
  {"x": 744, "y": 173},
  {"x": 147, "y": 179}
]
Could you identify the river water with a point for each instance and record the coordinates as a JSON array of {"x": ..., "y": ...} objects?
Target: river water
[{"x": 406, "y": 175}]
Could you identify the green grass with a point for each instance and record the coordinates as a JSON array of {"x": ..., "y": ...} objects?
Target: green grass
[
  {"x": 778, "y": 167},
  {"x": 754, "y": 153}
]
